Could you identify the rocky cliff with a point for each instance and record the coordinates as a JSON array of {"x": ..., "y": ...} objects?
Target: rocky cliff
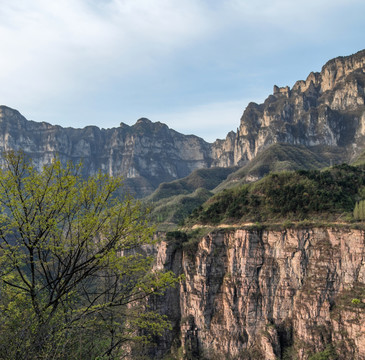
[
  {"x": 325, "y": 109},
  {"x": 146, "y": 153},
  {"x": 266, "y": 294}
]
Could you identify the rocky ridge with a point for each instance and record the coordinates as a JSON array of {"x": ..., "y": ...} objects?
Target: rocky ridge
[
  {"x": 327, "y": 109},
  {"x": 146, "y": 153}
]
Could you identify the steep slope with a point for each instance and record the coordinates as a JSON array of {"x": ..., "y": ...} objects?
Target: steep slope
[
  {"x": 289, "y": 286},
  {"x": 146, "y": 153},
  {"x": 202, "y": 178},
  {"x": 174, "y": 201},
  {"x": 281, "y": 157},
  {"x": 325, "y": 109},
  {"x": 359, "y": 160},
  {"x": 171, "y": 202},
  {"x": 266, "y": 295},
  {"x": 329, "y": 194}
]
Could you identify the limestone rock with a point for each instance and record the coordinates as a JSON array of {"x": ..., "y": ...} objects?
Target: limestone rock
[
  {"x": 325, "y": 109},
  {"x": 328, "y": 108},
  {"x": 270, "y": 293},
  {"x": 145, "y": 154}
]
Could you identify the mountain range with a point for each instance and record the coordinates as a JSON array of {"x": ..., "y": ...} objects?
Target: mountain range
[
  {"x": 323, "y": 116},
  {"x": 271, "y": 269}
]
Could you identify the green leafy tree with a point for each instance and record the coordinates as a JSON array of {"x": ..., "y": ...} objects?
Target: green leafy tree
[
  {"x": 356, "y": 211},
  {"x": 359, "y": 210},
  {"x": 72, "y": 273},
  {"x": 327, "y": 354}
]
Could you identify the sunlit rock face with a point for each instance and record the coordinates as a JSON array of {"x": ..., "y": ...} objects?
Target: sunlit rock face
[
  {"x": 267, "y": 293},
  {"x": 325, "y": 109}
]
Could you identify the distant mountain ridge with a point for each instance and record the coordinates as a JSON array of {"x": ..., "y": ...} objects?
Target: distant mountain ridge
[
  {"x": 325, "y": 110},
  {"x": 146, "y": 153}
]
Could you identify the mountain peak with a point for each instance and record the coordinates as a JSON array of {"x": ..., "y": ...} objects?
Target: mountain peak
[
  {"x": 143, "y": 120},
  {"x": 326, "y": 109}
]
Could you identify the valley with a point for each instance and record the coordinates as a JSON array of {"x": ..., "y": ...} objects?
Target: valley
[{"x": 260, "y": 226}]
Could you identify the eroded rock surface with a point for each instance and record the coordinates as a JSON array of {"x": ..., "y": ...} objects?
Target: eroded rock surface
[
  {"x": 145, "y": 154},
  {"x": 268, "y": 294},
  {"x": 325, "y": 109}
]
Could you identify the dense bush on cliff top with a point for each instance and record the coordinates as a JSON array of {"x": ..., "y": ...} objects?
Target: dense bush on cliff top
[{"x": 295, "y": 195}]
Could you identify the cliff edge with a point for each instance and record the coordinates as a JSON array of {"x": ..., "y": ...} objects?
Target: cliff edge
[{"x": 267, "y": 294}]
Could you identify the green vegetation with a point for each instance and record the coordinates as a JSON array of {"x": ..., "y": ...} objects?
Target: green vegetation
[
  {"x": 289, "y": 353},
  {"x": 282, "y": 157},
  {"x": 359, "y": 210},
  {"x": 356, "y": 301},
  {"x": 327, "y": 354},
  {"x": 65, "y": 290},
  {"x": 201, "y": 178},
  {"x": 174, "y": 201},
  {"x": 296, "y": 195},
  {"x": 189, "y": 240},
  {"x": 350, "y": 299},
  {"x": 360, "y": 160},
  {"x": 173, "y": 210}
]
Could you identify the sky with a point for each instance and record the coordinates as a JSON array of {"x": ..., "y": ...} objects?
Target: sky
[{"x": 191, "y": 64}]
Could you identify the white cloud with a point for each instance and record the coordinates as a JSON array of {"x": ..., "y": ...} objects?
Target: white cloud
[
  {"x": 51, "y": 48},
  {"x": 286, "y": 12},
  {"x": 90, "y": 59}
]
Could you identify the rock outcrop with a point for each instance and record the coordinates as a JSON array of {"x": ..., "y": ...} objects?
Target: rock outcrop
[
  {"x": 325, "y": 109},
  {"x": 260, "y": 294}
]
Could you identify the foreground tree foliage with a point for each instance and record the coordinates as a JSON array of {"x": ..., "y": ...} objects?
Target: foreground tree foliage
[{"x": 72, "y": 273}]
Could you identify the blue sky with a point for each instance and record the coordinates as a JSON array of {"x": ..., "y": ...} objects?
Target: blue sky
[{"x": 192, "y": 64}]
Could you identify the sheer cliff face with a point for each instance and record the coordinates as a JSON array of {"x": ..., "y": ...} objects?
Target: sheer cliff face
[
  {"x": 266, "y": 293},
  {"x": 146, "y": 153},
  {"x": 325, "y": 109}
]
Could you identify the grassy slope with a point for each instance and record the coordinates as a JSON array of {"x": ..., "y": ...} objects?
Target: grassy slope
[
  {"x": 360, "y": 160},
  {"x": 201, "y": 178},
  {"x": 174, "y": 201},
  {"x": 176, "y": 208},
  {"x": 291, "y": 195},
  {"x": 281, "y": 157}
]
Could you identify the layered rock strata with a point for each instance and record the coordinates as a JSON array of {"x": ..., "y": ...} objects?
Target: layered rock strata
[
  {"x": 325, "y": 109},
  {"x": 267, "y": 295},
  {"x": 145, "y": 154}
]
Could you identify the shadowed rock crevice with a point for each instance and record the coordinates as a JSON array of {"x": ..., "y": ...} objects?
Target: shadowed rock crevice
[{"x": 281, "y": 294}]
